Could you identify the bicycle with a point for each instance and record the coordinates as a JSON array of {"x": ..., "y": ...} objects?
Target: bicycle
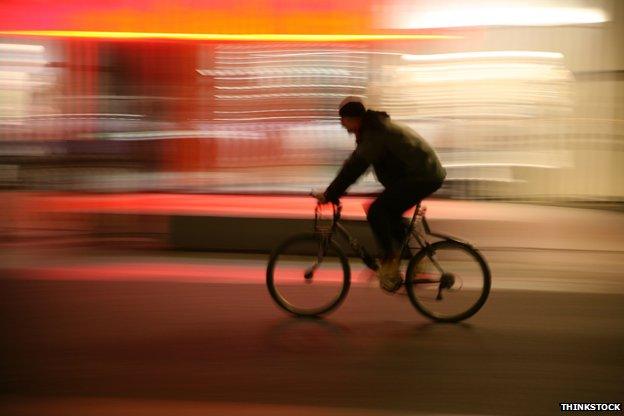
[{"x": 447, "y": 280}]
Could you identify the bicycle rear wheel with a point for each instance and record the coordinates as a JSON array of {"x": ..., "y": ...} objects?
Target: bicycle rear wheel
[
  {"x": 448, "y": 282},
  {"x": 308, "y": 275}
]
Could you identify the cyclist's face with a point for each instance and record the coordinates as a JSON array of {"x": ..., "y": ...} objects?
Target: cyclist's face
[{"x": 351, "y": 124}]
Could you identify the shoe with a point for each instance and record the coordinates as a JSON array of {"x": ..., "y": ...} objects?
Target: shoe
[
  {"x": 389, "y": 276},
  {"x": 391, "y": 285}
]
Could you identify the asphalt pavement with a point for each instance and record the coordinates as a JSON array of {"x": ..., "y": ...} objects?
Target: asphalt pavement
[{"x": 168, "y": 345}]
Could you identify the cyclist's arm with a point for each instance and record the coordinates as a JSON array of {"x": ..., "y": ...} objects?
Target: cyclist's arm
[
  {"x": 351, "y": 170},
  {"x": 368, "y": 151}
]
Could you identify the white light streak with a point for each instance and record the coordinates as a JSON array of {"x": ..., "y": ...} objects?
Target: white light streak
[
  {"x": 77, "y": 115},
  {"x": 284, "y": 95},
  {"x": 299, "y": 63},
  {"x": 273, "y": 71},
  {"x": 11, "y": 47},
  {"x": 325, "y": 54},
  {"x": 285, "y": 76},
  {"x": 286, "y": 52},
  {"x": 476, "y": 15},
  {"x": 349, "y": 54},
  {"x": 176, "y": 134},
  {"x": 257, "y": 87},
  {"x": 481, "y": 55},
  {"x": 279, "y": 118},
  {"x": 498, "y": 165},
  {"x": 481, "y": 71},
  {"x": 23, "y": 61},
  {"x": 307, "y": 110},
  {"x": 291, "y": 58}
]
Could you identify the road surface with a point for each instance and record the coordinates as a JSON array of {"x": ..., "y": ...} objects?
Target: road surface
[{"x": 94, "y": 345}]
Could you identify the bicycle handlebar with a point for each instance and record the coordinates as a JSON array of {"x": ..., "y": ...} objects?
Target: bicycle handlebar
[{"x": 336, "y": 208}]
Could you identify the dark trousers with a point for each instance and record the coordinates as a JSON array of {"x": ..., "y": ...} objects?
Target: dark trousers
[{"x": 385, "y": 214}]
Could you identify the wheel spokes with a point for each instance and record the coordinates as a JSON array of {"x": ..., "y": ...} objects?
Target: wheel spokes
[{"x": 449, "y": 282}]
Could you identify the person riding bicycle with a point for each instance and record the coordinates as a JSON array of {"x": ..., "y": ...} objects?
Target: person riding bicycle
[{"x": 406, "y": 166}]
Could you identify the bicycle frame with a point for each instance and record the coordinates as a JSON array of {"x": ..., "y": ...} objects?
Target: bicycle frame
[
  {"x": 360, "y": 250},
  {"x": 423, "y": 276}
]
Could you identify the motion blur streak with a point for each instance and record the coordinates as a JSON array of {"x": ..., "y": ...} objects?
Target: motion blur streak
[
  {"x": 483, "y": 55},
  {"x": 253, "y": 37},
  {"x": 406, "y": 14}
]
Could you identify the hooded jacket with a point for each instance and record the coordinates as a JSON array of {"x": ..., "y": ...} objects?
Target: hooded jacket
[{"x": 395, "y": 151}]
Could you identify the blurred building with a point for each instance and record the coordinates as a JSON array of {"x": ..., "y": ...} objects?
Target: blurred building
[{"x": 523, "y": 100}]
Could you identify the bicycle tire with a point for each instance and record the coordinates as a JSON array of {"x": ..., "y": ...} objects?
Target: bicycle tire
[
  {"x": 340, "y": 279},
  {"x": 441, "y": 248}
]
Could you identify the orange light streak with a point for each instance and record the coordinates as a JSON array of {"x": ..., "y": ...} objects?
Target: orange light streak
[{"x": 226, "y": 37}]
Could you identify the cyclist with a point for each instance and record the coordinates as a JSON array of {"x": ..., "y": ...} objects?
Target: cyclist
[{"x": 403, "y": 162}]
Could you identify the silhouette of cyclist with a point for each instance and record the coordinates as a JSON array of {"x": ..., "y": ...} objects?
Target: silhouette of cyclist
[{"x": 403, "y": 162}]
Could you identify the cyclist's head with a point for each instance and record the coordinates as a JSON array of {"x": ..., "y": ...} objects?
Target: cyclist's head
[{"x": 351, "y": 111}]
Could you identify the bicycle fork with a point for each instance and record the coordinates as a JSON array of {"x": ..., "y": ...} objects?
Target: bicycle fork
[{"x": 322, "y": 249}]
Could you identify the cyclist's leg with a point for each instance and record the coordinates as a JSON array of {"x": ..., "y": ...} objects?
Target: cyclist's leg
[
  {"x": 385, "y": 219},
  {"x": 385, "y": 214},
  {"x": 379, "y": 220},
  {"x": 391, "y": 204}
]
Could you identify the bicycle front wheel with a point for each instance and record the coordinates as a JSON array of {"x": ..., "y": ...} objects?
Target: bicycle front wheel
[
  {"x": 308, "y": 275},
  {"x": 448, "y": 282}
]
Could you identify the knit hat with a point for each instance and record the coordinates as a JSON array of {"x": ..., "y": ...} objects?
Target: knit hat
[{"x": 351, "y": 107}]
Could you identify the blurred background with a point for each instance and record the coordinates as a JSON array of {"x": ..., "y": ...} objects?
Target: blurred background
[
  {"x": 523, "y": 100},
  {"x": 202, "y": 125}
]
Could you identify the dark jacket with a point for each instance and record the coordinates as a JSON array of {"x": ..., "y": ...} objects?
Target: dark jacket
[{"x": 395, "y": 151}]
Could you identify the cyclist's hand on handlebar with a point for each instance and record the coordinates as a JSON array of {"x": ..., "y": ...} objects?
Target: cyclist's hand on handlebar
[{"x": 320, "y": 197}]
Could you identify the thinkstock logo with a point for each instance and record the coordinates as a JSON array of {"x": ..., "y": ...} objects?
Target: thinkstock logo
[{"x": 590, "y": 407}]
